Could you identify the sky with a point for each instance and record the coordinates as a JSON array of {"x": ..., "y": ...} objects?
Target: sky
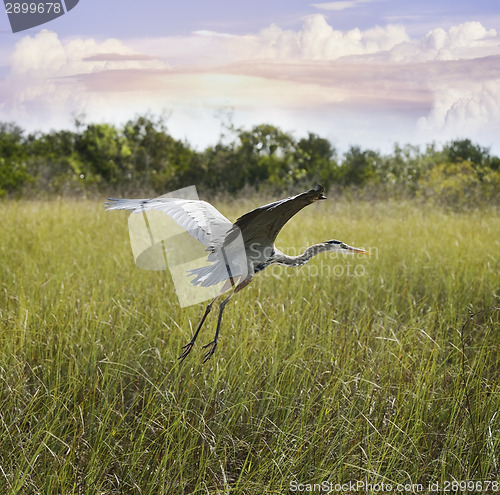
[{"x": 371, "y": 73}]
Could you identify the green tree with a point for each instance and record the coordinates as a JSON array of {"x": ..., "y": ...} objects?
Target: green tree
[
  {"x": 149, "y": 142},
  {"x": 457, "y": 184},
  {"x": 266, "y": 156},
  {"x": 401, "y": 170},
  {"x": 477, "y": 156},
  {"x": 359, "y": 167},
  {"x": 157, "y": 159},
  {"x": 225, "y": 170},
  {"x": 464, "y": 150},
  {"x": 54, "y": 162},
  {"x": 13, "y": 168},
  {"x": 318, "y": 159},
  {"x": 103, "y": 152}
]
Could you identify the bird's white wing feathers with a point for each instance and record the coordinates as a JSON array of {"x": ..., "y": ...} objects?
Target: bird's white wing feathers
[{"x": 199, "y": 218}]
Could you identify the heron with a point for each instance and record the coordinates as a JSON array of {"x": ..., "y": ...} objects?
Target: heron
[{"x": 258, "y": 228}]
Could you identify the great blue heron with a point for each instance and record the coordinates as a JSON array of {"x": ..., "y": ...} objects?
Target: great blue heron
[{"x": 258, "y": 229}]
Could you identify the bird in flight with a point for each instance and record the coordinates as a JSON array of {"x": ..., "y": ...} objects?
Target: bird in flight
[{"x": 258, "y": 230}]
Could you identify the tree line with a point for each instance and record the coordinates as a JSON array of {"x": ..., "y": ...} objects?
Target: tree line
[{"x": 141, "y": 156}]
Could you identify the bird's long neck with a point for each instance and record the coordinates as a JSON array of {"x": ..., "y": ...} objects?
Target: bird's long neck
[{"x": 283, "y": 259}]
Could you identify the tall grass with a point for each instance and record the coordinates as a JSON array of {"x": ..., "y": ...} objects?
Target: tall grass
[{"x": 350, "y": 368}]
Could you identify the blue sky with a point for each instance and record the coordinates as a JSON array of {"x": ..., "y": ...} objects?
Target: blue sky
[{"x": 367, "y": 72}]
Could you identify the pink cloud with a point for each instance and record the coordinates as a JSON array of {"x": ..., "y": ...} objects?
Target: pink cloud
[
  {"x": 118, "y": 57},
  {"x": 445, "y": 80}
]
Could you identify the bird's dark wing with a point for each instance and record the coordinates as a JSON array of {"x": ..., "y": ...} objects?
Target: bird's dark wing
[{"x": 262, "y": 225}]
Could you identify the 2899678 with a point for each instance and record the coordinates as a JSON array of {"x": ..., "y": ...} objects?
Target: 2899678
[
  {"x": 33, "y": 8},
  {"x": 471, "y": 486}
]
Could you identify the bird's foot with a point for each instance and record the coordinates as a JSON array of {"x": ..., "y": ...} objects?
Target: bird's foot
[
  {"x": 211, "y": 349},
  {"x": 187, "y": 349}
]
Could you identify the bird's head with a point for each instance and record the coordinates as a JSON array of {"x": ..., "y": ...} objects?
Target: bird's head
[
  {"x": 341, "y": 247},
  {"x": 317, "y": 193}
]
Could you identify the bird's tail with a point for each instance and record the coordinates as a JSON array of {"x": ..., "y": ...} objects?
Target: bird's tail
[
  {"x": 210, "y": 275},
  {"x": 125, "y": 204}
]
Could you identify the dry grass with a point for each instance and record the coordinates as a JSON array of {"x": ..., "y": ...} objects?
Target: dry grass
[{"x": 321, "y": 375}]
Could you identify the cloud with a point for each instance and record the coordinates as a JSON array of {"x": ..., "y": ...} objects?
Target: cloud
[
  {"x": 451, "y": 77},
  {"x": 120, "y": 57},
  {"x": 42, "y": 81},
  {"x": 45, "y": 54},
  {"x": 464, "y": 109},
  {"x": 468, "y": 40},
  {"x": 317, "y": 40},
  {"x": 443, "y": 82},
  {"x": 339, "y": 5}
]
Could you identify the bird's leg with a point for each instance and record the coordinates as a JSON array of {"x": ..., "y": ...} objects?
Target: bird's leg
[
  {"x": 187, "y": 348},
  {"x": 212, "y": 345}
]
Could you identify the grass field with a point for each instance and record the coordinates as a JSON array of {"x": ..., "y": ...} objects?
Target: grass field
[{"x": 377, "y": 374}]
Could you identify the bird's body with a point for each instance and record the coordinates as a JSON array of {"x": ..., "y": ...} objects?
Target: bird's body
[{"x": 258, "y": 230}]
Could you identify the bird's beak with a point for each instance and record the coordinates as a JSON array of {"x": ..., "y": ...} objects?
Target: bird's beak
[
  {"x": 351, "y": 249},
  {"x": 322, "y": 197}
]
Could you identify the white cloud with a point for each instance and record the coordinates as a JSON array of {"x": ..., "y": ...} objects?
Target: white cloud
[
  {"x": 339, "y": 5},
  {"x": 41, "y": 83},
  {"x": 467, "y": 40},
  {"x": 46, "y": 55},
  {"x": 317, "y": 40},
  {"x": 464, "y": 109}
]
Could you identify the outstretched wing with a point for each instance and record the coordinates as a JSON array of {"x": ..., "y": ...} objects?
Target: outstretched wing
[
  {"x": 262, "y": 225},
  {"x": 199, "y": 218}
]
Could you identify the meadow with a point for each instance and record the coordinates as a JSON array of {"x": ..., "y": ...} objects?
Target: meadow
[{"x": 380, "y": 369}]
